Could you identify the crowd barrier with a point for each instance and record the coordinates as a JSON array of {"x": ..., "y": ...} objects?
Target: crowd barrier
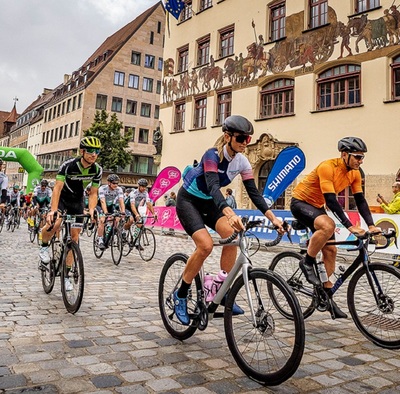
[{"x": 167, "y": 218}]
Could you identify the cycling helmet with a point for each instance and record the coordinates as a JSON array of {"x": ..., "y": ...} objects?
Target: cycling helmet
[
  {"x": 352, "y": 144},
  {"x": 142, "y": 182},
  {"x": 113, "y": 178},
  {"x": 16, "y": 187},
  {"x": 51, "y": 184},
  {"x": 44, "y": 182},
  {"x": 90, "y": 142},
  {"x": 237, "y": 124}
]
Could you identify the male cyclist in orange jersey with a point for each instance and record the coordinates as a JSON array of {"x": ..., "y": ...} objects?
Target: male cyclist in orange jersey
[{"x": 320, "y": 188}]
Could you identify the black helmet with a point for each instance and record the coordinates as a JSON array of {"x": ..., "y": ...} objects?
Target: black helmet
[
  {"x": 90, "y": 142},
  {"x": 237, "y": 124},
  {"x": 113, "y": 178},
  {"x": 44, "y": 182},
  {"x": 352, "y": 144},
  {"x": 142, "y": 182}
]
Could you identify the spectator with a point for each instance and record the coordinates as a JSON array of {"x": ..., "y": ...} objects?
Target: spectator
[
  {"x": 393, "y": 206},
  {"x": 230, "y": 199},
  {"x": 171, "y": 200}
]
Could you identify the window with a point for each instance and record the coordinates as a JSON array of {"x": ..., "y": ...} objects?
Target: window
[
  {"x": 277, "y": 98},
  {"x": 203, "y": 50},
  {"x": 224, "y": 105},
  {"x": 131, "y": 107},
  {"x": 183, "y": 58},
  {"x": 147, "y": 84},
  {"x": 149, "y": 61},
  {"x": 135, "y": 58},
  {"x": 80, "y": 100},
  {"x": 101, "y": 101},
  {"x": 119, "y": 78},
  {"x": 339, "y": 87},
  {"x": 318, "y": 13},
  {"x": 200, "y": 113},
  {"x": 61, "y": 132},
  {"x": 277, "y": 21},
  {"x": 71, "y": 130},
  {"x": 226, "y": 41},
  {"x": 157, "y": 112},
  {"x": 204, "y": 4},
  {"x": 396, "y": 78},
  {"x": 133, "y": 81},
  {"x": 65, "y": 131},
  {"x": 143, "y": 136},
  {"x": 158, "y": 27},
  {"x": 160, "y": 64},
  {"x": 179, "y": 124},
  {"x": 130, "y": 129},
  {"x": 187, "y": 11},
  {"x": 143, "y": 165},
  {"x": 158, "y": 88},
  {"x": 77, "y": 126},
  {"x": 116, "y": 105},
  {"x": 151, "y": 37},
  {"x": 68, "y": 105},
  {"x": 73, "y": 103},
  {"x": 145, "y": 110},
  {"x": 365, "y": 5}
]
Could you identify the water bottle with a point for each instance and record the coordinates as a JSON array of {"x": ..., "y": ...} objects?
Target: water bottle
[
  {"x": 323, "y": 276},
  {"x": 136, "y": 231},
  {"x": 108, "y": 230},
  {"x": 304, "y": 240},
  {"x": 217, "y": 282},
  {"x": 208, "y": 281}
]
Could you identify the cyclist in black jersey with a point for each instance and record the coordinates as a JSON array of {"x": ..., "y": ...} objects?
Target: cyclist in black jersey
[{"x": 68, "y": 195}]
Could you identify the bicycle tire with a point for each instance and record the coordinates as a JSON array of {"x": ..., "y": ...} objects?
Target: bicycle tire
[
  {"x": 12, "y": 223},
  {"x": 146, "y": 244},
  {"x": 170, "y": 280},
  {"x": 48, "y": 271},
  {"x": 97, "y": 251},
  {"x": 1, "y": 222},
  {"x": 127, "y": 243},
  {"x": 73, "y": 299},
  {"x": 378, "y": 323},
  {"x": 32, "y": 234},
  {"x": 116, "y": 246},
  {"x": 286, "y": 264},
  {"x": 271, "y": 352}
]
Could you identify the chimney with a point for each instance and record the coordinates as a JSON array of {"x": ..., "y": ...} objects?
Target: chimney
[{"x": 66, "y": 78}]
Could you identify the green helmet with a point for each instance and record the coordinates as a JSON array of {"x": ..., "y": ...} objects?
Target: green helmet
[{"x": 16, "y": 187}]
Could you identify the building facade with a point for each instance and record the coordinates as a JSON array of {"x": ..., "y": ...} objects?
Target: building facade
[
  {"x": 305, "y": 73},
  {"x": 122, "y": 76}
]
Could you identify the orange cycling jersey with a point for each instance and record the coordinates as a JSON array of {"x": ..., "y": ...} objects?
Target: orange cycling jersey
[{"x": 331, "y": 176}]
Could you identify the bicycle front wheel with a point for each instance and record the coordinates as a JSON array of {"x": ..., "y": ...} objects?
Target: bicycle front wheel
[
  {"x": 127, "y": 243},
  {"x": 48, "y": 271},
  {"x": 97, "y": 251},
  {"x": 147, "y": 244},
  {"x": 170, "y": 281},
  {"x": 1, "y": 222},
  {"x": 116, "y": 246},
  {"x": 378, "y": 320},
  {"x": 32, "y": 234},
  {"x": 270, "y": 348},
  {"x": 72, "y": 277},
  {"x": 286, "y": 264}
]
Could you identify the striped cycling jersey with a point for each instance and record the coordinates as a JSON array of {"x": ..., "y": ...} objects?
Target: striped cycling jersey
[
  {"x": 42, "y": 196},
  {"x": 138, "y": 198},
  {"x": 111, "y": 196}
]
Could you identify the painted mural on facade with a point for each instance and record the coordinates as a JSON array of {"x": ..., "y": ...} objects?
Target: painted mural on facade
[{"x": 298, "y": 49}]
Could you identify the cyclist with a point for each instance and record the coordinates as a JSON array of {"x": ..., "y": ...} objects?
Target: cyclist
[
  {"x": 320, "y": 188},
  {"x": 200, "y": 202},
  {"x": 107, "y": 196},
  {"x": 72, "y": 178},
  {"x": 15, "y": 197},
  {"x": 3, "y": 188},
  {"x": 41, "y": 199}
]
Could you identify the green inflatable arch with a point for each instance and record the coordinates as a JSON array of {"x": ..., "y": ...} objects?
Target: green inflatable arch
[{"x": 27, "y": 161}]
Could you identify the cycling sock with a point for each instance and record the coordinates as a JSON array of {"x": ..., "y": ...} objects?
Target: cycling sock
[
  {"x": 45, "y": 244},
  {"x": 183, "y": 290},
  {"x": 310, "y": 260}
]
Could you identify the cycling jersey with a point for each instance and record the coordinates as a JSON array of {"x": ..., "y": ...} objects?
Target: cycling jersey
[
  {"x": 3, "y": 188},
  {"x": 76, "y": 178},
  {"x": 331, "y": 176},
  {"x": 42, "y": 196},
  {"x": 111, "y": 196},
  {"x": 138, "y": 198},
  {"x": 14, "y": 197}
]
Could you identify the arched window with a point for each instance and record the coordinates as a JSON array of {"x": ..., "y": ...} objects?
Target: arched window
[
  {"x": 277, "y": 98},
  {"x": 396, "y": 78},
  {"x": 262, "y": 180},
  {"x": 339, "y": 87}
]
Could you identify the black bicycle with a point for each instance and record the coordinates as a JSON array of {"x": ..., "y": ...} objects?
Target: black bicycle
[
  {"x": 12, "y": 218},
  {"x": 66, "y": 261},
  {"x": 373, "y": 293},
  {"x": 38, "y": 222}
]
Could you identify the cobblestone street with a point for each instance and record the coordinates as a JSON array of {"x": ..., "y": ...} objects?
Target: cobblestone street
[{"x": 116, "y": 343}]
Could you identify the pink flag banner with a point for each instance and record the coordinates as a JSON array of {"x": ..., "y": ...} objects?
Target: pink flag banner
[
  {"x": 167, "y": 218},
  {"x": 166, "y": 179}
]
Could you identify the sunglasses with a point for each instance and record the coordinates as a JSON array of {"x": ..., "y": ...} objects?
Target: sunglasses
[
  {"x": 242, "y": 138},
  {"x": 115, "y": 183},
  {"x": 357, "y": 157},
  {"x": 93, "y": 150}
]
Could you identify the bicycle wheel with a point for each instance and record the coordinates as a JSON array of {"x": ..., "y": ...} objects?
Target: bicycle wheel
[
  {"x": 1, "y": 222},
  {"x": 379, "y": 321},
  {"x": 72, "y": 298},
  {"x": 32, "y": 234},
  {"x": 116, "y": 246},
  {"x": 270, "y": 349},
  {"x": 48, "y": 271},
  {"x": 97, "y": 251},
  {"x": 286, "y": 264},
  {"x": 146, "y": 244},
  {"x": 170, "y": 280},
  {"x": 12, "y": 222},
  {"x": 127, "y": 243}
]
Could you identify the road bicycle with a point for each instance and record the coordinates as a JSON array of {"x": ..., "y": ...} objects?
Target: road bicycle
[
  {"x": 266, "y": 345},
  {"x": 142, "y": 238},
  {"x": 66, "y": 261},
  {"x": 2, "y": 220},
  {"x": 12, "y": 216},
  {"x": 39, "y": 221},
  {"x": 112, "y": 238},
  {"x": 373, "y": 292}
]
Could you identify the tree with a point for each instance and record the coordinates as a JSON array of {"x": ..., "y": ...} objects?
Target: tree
[{"x": 114, "y": 150}]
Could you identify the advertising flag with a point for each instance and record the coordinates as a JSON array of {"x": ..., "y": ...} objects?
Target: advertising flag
[{"x": 166, "y": 179}]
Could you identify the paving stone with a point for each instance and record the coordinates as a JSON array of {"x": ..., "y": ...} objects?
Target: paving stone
[
  {"x": 12, "y": 381},
  {"x": 106, "y": 381}
]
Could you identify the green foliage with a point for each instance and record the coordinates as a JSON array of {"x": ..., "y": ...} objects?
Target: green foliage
[{"x": 114, "y": 143}]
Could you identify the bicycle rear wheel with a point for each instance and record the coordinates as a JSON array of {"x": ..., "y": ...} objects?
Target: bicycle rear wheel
[
  {"x": 146, "y": 244},
  {"x": 97, "y": 251},
  {"x": 127, "y": 243},
  {"x": 75, "y": 274},
  {"x": 48, "y": 271},
  {"x": 170, "y": 280},
  {"x": 379, "y": 321},
  {"x": 269, "y": 350},
  {"x": 116, "y": 246},
  {"x": 286, "y": 264},
  {"x": 1, "y": 222},
  {"x": 32, "y": 234}
]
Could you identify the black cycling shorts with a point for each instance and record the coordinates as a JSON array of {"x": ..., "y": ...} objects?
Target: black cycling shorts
[
  {"x": 194, "y": 212},
  {"x": 4, "y": 199},
  {"x": 307, "y": 213},
  {"x": 72, "y": 207}
]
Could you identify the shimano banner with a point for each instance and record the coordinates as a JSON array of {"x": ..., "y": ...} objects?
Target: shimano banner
[{"x": 289, "y": 163}]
